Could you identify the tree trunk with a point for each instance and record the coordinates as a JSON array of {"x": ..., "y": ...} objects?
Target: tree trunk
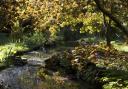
[
  {"x": 108, "y": 34},
  {"x": 107, "y": 31}
]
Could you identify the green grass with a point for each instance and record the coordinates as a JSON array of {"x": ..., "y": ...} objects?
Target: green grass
[
  {"x": 10, "y": 49},
  {"x": 9, "y": 46},
  {"x": 120, "y": 46}
]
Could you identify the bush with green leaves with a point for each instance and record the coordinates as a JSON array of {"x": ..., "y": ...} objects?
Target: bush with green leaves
[{"x": 33, "y": 39}]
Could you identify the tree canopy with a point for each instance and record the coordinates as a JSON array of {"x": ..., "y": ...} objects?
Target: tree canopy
[{"x": 42, "y": 15}]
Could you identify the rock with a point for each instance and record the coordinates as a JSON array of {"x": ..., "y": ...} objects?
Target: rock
[{"x": 36, "y": 61}]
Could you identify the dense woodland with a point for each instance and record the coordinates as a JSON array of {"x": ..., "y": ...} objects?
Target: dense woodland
[{"x": 95, "y": 30}]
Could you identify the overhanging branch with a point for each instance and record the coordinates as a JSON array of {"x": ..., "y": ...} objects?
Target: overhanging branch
[{"x": 117, "y": 21}]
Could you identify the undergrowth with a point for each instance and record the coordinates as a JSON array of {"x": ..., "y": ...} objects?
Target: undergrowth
[{"x": 95, "y": 64}]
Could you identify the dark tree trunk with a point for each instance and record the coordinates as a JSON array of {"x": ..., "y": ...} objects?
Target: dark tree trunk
[
  {"x": 108, "y": 34},
  {"x": 107, "y": 31}
]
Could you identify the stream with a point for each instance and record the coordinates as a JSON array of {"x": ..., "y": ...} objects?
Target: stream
[{"x": 25, "y": 77}]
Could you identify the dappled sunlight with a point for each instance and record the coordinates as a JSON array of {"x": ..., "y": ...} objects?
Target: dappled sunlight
[{"x": 63, "y": 44}]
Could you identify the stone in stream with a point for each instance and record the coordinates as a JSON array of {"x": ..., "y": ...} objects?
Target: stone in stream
[{"x": 36, "y": 61}]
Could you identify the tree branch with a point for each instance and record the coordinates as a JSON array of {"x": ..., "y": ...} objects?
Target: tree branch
[{"x": 117, "y": 21}]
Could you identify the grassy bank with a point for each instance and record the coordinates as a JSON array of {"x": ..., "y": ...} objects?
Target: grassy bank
[{"x": 10, "y": 46}]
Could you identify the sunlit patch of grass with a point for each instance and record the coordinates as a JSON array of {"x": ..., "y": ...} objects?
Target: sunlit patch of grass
[
  {"x": 120, "y": 46},
  {"x": 10, "y": 49},
  {"x": 9, "y": 46}
]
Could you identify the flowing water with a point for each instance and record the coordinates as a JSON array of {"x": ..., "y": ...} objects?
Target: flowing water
[{"x": 25, "y": 77}]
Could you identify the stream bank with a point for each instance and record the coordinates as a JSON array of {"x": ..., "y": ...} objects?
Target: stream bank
[{"x": 28, "y": 76}]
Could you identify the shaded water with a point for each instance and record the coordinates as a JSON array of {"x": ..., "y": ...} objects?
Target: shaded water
[
  {"x": 25, "y": 77},
  {"x": 20, "y": 78}
]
